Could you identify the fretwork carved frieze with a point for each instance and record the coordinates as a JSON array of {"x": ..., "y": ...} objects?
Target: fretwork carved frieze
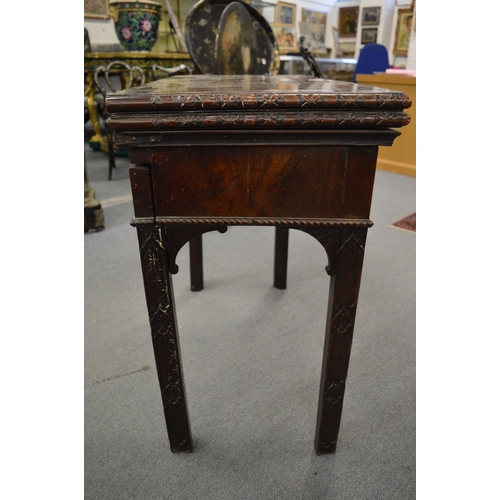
[
  {"x": 198, "y": 102},
  {"x": 155, "y": 270},
  {"x": 334, "y": 393},
  {"x": 254, "y": 120},
  {"x": 348, "y": 272},
  {"x": 346, "y": 263},
  {"x": 161, "y": 315}
]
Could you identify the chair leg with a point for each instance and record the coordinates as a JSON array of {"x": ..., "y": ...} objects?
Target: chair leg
[
  {"x": 111, "y": 155},
  {"x": 196, "y": 263},
  {"x": 280, "y": 257}
]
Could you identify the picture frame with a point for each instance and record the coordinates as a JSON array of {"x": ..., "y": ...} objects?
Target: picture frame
[
  {"x": 286, "y": 36},
  {"x": 86, "y": 40},
  {"x": 336, "y": 51},
  {"x": 235, "y": 36},
  {"x": 268, "y": 13},
  {"x": 348, "y": 21},
  {"x": 311, "y": 16},
  {"x": 370, "y": 16},
  {"x": 369, "y": 35},
  {"x": 96, "y": 9},
  {"x": 314, "y": 36},
  {"x": 403, "y": 32},
  {"x": 286, "y": 13},
  {"x": 400, "y": 62},
  {"x": 344, "y": 49},
  {"x": 348, "y": 49}
]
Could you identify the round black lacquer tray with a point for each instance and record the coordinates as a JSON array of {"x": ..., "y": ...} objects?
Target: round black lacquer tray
[{"x": 202, "y": 29}]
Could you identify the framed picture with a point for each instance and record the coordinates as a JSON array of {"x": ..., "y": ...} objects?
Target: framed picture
[
  {"x": 403, "y": 32},
  {"x": 286, "y": 13},
  {"x": 336, "y": 51},
  {"x": 348, "y": 49},
  {"x": 370, "y": 16},
  {"x": 369, "y": 35},
  {"x": 236, "y": 37},
  {"x": 88, "y": 48},
  {"x": 98, "y": 9},
  {"x": 268, "y": 13},
  {"x": 309, "y": 16},
  {"x": 286, "y": 37},
  {"x": 314, "y": 34},
  {"x": 348, "y": 21},
  {"x": 400, "y": 62}
]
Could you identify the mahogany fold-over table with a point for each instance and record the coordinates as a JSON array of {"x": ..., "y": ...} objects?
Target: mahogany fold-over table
[{"x": 293, "y": 152}]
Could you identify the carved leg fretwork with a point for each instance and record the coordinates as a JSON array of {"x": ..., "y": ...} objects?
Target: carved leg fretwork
[
  {"x": 345, "y": 248},
  {"x": 162, "y": 318}
]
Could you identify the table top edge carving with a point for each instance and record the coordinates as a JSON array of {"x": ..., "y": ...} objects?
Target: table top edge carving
[{"x": 255, "y": 102}]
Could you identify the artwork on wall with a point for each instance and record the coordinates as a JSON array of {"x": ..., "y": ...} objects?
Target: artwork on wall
[
  {"x": 348, "y": 21},
  {"x": 348, "y": 49},
  {"x": 312, "y": 28},
  {"x": 88, "y": 48},
  {"x": 268, "y": 13},
  {"x": 403, "y": 32},
  {"x": 314, "y": 36},
  {"x": 286, "y": 37},
  {"x": 400, "y": 62},
  {"x": 369, "y": 35},
  {"x": 236, "y": 43},
  {"x": 336, "y": 43},
  {"x": 310, "y": 16},
  {"x": 286, "y": 13},
  {"x": 370, "y": 16},
  {"x": 342, "y": 49},
  {"x": 98, "y": 9},
  {"x": 284, "y": 28}
]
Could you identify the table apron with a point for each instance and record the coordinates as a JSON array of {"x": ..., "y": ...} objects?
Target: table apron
[{"x": 256, "y": 138}]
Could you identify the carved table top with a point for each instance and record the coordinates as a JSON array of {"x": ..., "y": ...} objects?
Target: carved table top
[{"x": 255, "y": 101}]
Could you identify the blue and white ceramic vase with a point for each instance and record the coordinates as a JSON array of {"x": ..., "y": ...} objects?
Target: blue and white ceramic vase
[{"x": 136, "y": 23}]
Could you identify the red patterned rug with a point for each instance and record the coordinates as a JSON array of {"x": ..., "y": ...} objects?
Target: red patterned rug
[{"x": 408, "y": 223}]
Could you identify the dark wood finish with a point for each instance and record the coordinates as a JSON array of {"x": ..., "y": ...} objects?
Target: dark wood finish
[
  {"x": 346, "y": 260},
  {"x": 280, "y": 257},
  {"x": 291, "y": 152},
  {"x": 196, "y": 263},
  {"x": 160, "y": 301}
]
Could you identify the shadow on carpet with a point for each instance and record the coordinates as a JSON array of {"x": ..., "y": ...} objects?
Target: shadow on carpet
[{"x": 408, "y": 223}]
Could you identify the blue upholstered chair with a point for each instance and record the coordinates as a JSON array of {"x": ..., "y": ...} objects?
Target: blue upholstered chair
[{"x": 372, "y": 58}]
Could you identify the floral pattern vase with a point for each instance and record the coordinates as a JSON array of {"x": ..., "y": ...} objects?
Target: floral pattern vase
[{"x": 136, "y": 23}]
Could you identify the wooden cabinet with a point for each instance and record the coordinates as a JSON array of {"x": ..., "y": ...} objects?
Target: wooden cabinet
[{"x": 401, "y": 157}]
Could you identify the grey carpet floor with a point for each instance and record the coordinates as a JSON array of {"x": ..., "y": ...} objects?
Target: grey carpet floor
[{"x": 252, "y": 360}]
